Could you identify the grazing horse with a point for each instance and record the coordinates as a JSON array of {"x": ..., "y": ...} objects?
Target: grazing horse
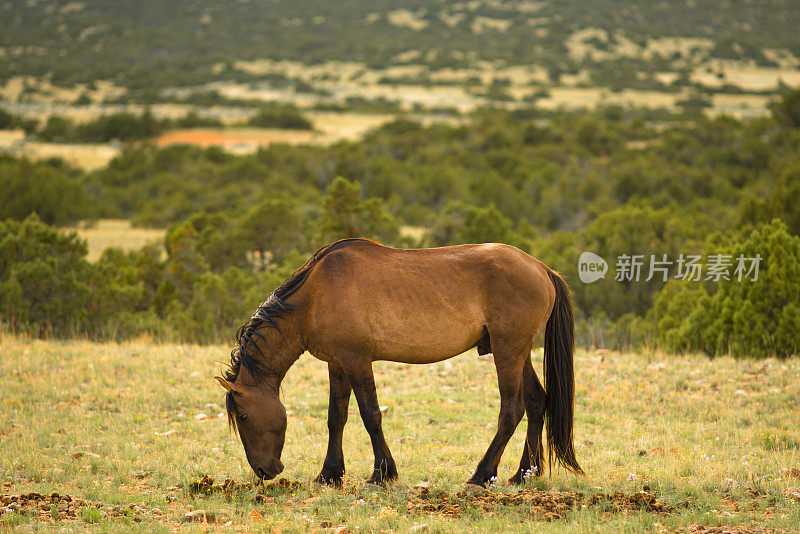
[{"x": 356, "y": 301}]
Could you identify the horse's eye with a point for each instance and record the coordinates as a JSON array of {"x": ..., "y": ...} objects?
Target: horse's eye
[{"x": 243, "y": 417}]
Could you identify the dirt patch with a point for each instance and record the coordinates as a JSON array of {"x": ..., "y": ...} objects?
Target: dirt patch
[
  {"x": 55, "y": 506},
  {"x": 550, "y": 505},
  {"x": 252, "y": 138},
  {"x": 208, "y": 486},
  {"x": 725, "y": 529}
]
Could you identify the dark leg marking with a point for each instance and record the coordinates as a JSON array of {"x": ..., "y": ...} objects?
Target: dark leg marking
[
  {"x": 363, "y": 384},
  {"x": 333, "y": 466},
  {"x": 512, "y": 408},
  {"x": 532, "y": 462}
]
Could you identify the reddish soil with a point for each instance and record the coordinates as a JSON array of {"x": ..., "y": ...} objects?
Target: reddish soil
[{"x": 230, "y": 138}]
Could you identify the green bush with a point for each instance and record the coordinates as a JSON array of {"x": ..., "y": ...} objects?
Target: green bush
[
  {"x": 346, "y": 214},
  {"x": 50, "y": 189},
  {"x": 752, "y": 318},
  {"x": 122, "y": 126},
  {"x": 462, "y": 223},
  {"x": 635, "y": 228},
  {"x": 277, "y": 116},
  {"x": 48, "y": 287}
]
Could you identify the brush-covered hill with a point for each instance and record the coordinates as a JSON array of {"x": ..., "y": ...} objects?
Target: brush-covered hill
[{"x": 159, "y": 44}]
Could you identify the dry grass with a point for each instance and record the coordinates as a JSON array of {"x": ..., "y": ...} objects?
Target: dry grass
[
  {"x": 127, "y": 427},
  {"x": 407, "y": 19},
  {"x": 107, "y": 233},
  {"x": 86, "y": 156},
  {"x": 44, "y": 91},
  {"x": 745, "y": 75}
]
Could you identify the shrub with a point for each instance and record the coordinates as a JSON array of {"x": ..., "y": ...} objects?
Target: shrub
[
  {"x": 753, "y": 318},
  {"x": 346, "y": 214},
  {"x": 276, "y": 116},
  {"x": 49, "y": 189}
]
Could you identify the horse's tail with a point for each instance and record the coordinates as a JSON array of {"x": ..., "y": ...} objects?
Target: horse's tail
[{"x": 559, "y": 381}]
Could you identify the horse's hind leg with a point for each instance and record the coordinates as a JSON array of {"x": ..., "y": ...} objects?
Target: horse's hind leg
[
  {"x": 363, "y": 383},
  {"x": 509, "y": 366},
  {"x": 333, "y": 467},
  {"x": 532, "y": 462}
]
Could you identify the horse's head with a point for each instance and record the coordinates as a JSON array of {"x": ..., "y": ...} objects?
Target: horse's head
[{"x": 260, "y": 418}]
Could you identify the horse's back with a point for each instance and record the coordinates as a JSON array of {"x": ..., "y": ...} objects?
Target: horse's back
[{"x": 422, "y": 305}]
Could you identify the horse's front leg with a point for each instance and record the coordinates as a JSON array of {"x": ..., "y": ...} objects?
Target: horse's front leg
[
  {"x": 363, "y": 383},
  {"x": 333, "y": 467}
]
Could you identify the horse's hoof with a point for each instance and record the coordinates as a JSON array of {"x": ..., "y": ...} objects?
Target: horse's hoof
[
  {"x": 474, "y": 487},
  {"x": 336, "y": 482},
  {"x": 516, "y": 479},
  {"x": 371, "y": 485}
]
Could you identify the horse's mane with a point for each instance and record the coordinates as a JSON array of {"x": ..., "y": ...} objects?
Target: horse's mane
[{"x": 275, "y": 307}]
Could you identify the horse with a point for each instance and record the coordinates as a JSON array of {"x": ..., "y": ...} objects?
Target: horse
[{"x": 356, "y": 301}]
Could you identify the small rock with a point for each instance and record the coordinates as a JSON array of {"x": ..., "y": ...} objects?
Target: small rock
[
  {"x": 423, "y": 485},
  {"x": 80, "y": 454},
  {"x": 790, "y": 472},
  {"x": 198, "y": 515},
  {"x": 200, "y": 416},
  {"x": 420, "y": 528},
  {"x": 473, "y": 488}
]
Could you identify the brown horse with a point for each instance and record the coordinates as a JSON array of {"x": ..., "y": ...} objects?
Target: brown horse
[{"x": 356, "y": 301}]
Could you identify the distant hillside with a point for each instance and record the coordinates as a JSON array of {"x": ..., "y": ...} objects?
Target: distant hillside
[{"x": 152, "y": 43}]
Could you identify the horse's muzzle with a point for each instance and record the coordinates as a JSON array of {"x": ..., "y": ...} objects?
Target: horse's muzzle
[{"x": 274, "y": 469}]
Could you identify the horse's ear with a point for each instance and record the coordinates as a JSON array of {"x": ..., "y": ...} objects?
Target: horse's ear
[{"x": 224, "y": 383}]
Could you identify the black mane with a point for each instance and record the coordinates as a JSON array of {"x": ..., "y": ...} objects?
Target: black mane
[{"x": 275, "y": 307}]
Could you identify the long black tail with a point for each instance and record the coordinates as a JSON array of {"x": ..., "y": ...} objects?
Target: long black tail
[{"x": 559, "y": 381}]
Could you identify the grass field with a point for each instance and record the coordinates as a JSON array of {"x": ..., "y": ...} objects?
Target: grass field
[
  {"x": 128, "y": 430},
  {"x": 117, "y": 233}
]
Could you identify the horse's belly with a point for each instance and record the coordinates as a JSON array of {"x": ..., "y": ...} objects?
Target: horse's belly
[
  {"x": 396, "y": 333},
  {"x": 427, "y": 347},
  {"x": 417, "y": 336}
]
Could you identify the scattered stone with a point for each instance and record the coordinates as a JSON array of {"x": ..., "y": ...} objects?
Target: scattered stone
[
  {"x": 207, "y": 486},
  {"x": 198, "y": 515},
  {"x": 423, "y": 485},
  {"x": 551, "y": 505},
  {"x": 80, "y": 454},
  {"x": 790, "y": 472},
  {"x": 59, "y": 507}
]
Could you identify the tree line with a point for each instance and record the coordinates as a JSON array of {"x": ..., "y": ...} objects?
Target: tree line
[{"x": 616, "y": 182}]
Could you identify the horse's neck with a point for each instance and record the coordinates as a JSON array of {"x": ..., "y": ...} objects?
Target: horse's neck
[{"x": 284, "y": 348}]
